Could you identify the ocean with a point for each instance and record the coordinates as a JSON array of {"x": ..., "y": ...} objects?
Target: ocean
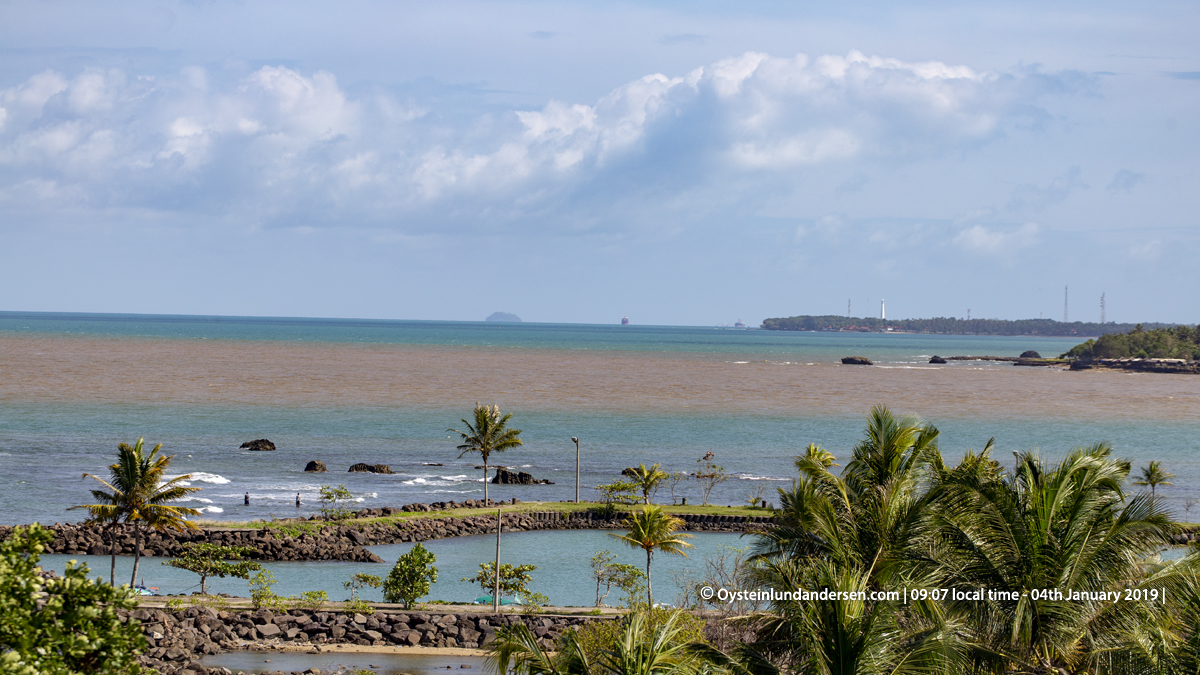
[{"x": 73, "y": 386}]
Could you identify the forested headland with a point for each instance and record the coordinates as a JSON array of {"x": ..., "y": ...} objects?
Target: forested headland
[
  {"x": 954, "y": 326},
  {"x": 1177, "y": 342}
]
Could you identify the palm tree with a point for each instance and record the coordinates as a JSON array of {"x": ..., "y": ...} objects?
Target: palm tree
[
  {"x": 1070, "y": 528},
  {"x": 651, "y": 529},
  {"x": 854, "y": 532},
  {"x": 139, "y": 496},
  {"x": 488, "y": 434},
  {"x": 1154, "y": 475},
  {"x": 646, "y": 479},
  {"x": 641, "y": 648}
]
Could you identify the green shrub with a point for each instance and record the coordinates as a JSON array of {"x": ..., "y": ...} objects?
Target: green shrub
[{"x": 411, "y": 577}]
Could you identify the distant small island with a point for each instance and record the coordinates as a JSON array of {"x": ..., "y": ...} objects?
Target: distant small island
[
  {"x": 503, "y": 316},
  {"x": 953, "y": 326}
]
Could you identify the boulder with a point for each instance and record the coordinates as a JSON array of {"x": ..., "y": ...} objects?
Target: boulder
[
  {"x": 856, "y": 361},
  {"x": 937, "y": 359},
  {"x": 260, "y": 445},
  {"x": 371, "y": 468},
  {"x": 1030, "y": 354},
  {"x": 505, "y": 477},
  {"x": 315, "y": 466}
]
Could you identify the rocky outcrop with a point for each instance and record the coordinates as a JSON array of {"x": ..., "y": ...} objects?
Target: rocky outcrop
[
  {"x": 315, "y": 466},
  {"x": 856, "y": 361},
  {"x": 937, "y": 359},
  {"x": 176, "y": 641},
  {"x": 505, "y": 477},
  {"x": 370, "y": 468},
  {"x": 1030, "y": 354},
  {"x": 1177, "y": 366},
  {"x": 260, "y": 445}
]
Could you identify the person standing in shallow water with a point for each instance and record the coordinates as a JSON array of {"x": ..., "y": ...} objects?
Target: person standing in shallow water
[
  {"x": 247, "y": 501},
  {"x": 297, "y": 500}
]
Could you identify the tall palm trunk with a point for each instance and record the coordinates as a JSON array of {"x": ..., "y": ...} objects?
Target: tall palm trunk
[
  {"x": 137, "y": 552},
  {"x": 649, "y": 589},
  {"x": 112, "y": 548},
  {"x": 485, "y": 501}
]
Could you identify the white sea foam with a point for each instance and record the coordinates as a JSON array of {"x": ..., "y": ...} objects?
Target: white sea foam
[
  {"x": 200, "y": 477},
  {"x": 213, "y": 509},
  {"x": 746, "y": 476},
  {"x": 197, "y": 499}
]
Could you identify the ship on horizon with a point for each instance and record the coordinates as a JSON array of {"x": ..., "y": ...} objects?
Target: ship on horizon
[{"x": 624, "y": 321}]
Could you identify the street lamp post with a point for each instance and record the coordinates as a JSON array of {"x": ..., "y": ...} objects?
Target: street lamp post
[{"x": 576, "y": 439}]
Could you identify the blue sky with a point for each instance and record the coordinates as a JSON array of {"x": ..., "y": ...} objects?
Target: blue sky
[{"x": 679, "y": 163}]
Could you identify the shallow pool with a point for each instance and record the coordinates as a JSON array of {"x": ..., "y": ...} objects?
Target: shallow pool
[{"x": 562, "y": 558}]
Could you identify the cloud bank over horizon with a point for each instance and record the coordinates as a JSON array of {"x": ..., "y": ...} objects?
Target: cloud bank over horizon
[{"x": 717, "y": 175}]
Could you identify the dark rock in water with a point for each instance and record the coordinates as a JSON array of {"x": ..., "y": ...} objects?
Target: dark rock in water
[
  {"x": 261, "y": 445},
  {"x": 506, "y": 477},
  {"x": 503, "y": 316},
  {"x": 857, "y": 361},
  {"x": 937, "y": 359},
  {"x": 315, "y": 466},
  {"x": 432, "y": 464},
  {"x": 371, "y": 468},
  {"x": 1030, "y": 355}
]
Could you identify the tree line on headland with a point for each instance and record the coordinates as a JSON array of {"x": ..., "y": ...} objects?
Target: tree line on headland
[
  {"x": 953, "y": 326},
  {"x": 1178, "y": 342}
]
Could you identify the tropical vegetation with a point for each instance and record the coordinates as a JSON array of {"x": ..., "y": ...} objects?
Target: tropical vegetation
[
  {"x": 1154, "y": 475},
  {"x": 411, "y": 577},
  {"x": 950, "y": 325},
  {"x": 60, "y": 626},
  {"x": 901, "y": 563},
  {"x": 1166, "y": 342},
  {"x": 652, "y": 529},
  {"x": 138, "y": 495},
  {"x": 215, "y": 560},
  {"x": 488, "y": 432}
]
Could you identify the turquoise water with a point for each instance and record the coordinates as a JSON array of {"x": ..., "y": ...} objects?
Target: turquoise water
[
  {"x": 381, "y": 664},
  {"x": 562, "y": 558}
]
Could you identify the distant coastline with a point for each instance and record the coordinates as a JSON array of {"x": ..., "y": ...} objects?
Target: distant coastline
[{"x": 952, "y": 326}]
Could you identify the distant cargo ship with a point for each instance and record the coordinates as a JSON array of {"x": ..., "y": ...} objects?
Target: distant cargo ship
[
  {"x": 624, "y": 321},
  {"x": 739, "y": 324}
]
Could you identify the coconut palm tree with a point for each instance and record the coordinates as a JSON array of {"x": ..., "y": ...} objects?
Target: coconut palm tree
[
  {"x": 1068, "y": 528},
  {"x": 646, "y": 479},
  {"x": 488, "y": 434},
  {"x": 1154, "y": 475},
  {"x": 641, "y": 648},
  {"x": 139, "y": 496},
  {"x": 851, "y": 533},
  {"x": 651, "y": 529}
]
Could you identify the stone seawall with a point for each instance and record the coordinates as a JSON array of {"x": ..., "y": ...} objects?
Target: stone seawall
[
  {"x": 177, "y": 640},
  {"x": 347, "y": 542}
]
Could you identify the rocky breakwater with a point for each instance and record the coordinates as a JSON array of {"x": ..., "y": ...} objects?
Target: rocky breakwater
[
  {"x": 347, "y": 542},
  {"x": 331, "y": 543},
  {"x": 177, "y": 640},
  {"x": 1178, "y": 366}
]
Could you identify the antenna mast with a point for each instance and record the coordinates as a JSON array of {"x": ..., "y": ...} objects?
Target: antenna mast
[
  {"x": 847, "y": 309},
  {"x": 1102, "y": 309},
  {"x": 1065, "y": 304}
]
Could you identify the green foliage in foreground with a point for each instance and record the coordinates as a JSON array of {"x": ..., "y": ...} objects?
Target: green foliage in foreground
[
  {"x": 1179, "y": 342},
  {"x": 411, "y": 577},
  {"x": 61, "y": 626}
]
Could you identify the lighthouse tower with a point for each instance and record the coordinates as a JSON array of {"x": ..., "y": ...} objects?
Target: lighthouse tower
[{"x": 882, "y": 312}]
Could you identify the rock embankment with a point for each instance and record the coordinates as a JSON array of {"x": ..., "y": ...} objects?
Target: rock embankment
[
  {"x": 1179, "y": 366},
  {"x": 177, "y": 640},
  {"x": 330, "y": 540}
]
